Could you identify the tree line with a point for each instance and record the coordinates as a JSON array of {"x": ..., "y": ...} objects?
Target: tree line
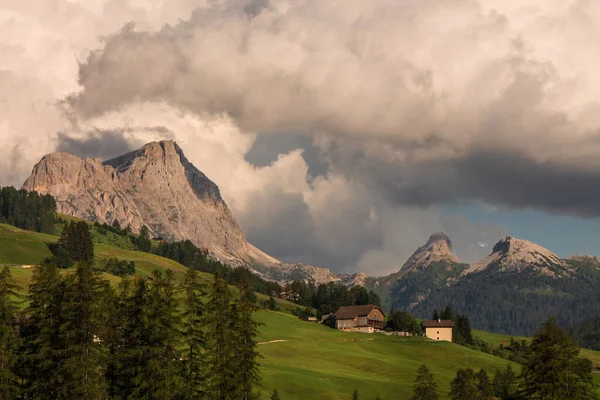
[
  {"x": 27, "y": 210},
  {"x": 328, "y": 297},
  {"x": 78, "y": 337}
]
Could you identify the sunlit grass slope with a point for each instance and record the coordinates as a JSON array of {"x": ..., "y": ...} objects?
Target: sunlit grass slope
[{"x": 317, "y": 362}]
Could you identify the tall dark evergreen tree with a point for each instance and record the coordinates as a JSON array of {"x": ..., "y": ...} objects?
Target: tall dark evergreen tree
[
  {"x": 245, "y": 332},
  {"x": 485, "y": 390},
  {"x": 275, "y": 395},
  {"x": 111, "y": 335},
  {"x": 77, "y": 240},
  {"x": 143, "y": 242},
  {"x": 135, "y": 336},
  {"x": 425, "y": 387},
  {"x": 160, "y": 378},
  {"x": 9, "y": 338},
  {"x": 220, "y": 357},
  {"x": 355, "y": 394},
  {"x": 505, "y": 384},
  {"x": 81, "y": 367},
  {"x": 448, "y": 314},
  {"x": 43, "y": 346},
  {"x": 463, "y": 387},
  {"x": 193, "y": 335},
  {"x": 553, "y": 369}
]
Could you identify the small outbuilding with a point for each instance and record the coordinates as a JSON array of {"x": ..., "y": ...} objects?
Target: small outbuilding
[
  {"x": 440, "y": 329},
  {"x": 365, "y": 318}
]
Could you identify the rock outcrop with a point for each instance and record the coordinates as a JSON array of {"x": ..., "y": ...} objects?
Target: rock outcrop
[
  {"x": 437, "y": 249},
  {"x": 155, "y": 186},
  {"x": 516, "y": 255}
]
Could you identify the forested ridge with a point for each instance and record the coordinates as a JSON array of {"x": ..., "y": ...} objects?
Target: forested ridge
[{"x": 509, "y": 302}]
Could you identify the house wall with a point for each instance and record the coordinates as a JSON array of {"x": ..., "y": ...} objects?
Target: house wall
[
  {"x": 439, "y": 334},
  {"x": 345, "y": 323}
]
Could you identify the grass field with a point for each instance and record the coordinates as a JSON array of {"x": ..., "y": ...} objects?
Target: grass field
[
  {"x": 302, "y": 360},
  {"x": 317, "y": 362}
]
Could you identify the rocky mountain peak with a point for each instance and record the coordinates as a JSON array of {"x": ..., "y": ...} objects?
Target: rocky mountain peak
[
  {"x": 516, "y": 255},
  {"x": 437, "y": 249},
  {"x": 155, "y": 186}
]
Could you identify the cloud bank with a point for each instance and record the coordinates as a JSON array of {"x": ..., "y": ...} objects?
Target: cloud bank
[{"x": 409, "y": 104}]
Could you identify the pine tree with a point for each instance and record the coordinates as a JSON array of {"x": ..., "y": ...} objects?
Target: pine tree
[
  {"x": 484, "y": 386},
  {"x": 245, "y": 332},
  {"x": 553, "y": 369},
  {"x": 111, "y": 336},
  {"x": 275, "y": 395},
  {"x": 81, "y": 367},
  {"x": 9, "y": 384},
  {"x": 143, "y": 241},
  {"x": 463, "y": 386},
  {"x": 448, "y": 314},
  {"x": 193, "y": 335},
  {"x": 435, "y": 316},
  {"x": 135, "y": 336},
  {"x": 505, "y": 386},
  {"x": 221, "y": 365},
  {"x": 43, "y": 346},
  {"x": 160, "y": 376},
  {"x": 425, "y": 387},
  {"x": 355, "y": 394}
]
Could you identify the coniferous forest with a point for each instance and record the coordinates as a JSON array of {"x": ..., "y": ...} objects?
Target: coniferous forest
[
  {"x": 80, "y": 338},
  {"x": 27, "y": 210}
]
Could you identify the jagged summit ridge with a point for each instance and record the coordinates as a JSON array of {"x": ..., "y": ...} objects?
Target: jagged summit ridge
[
  {"x": 155, "y": 186},
  {"x": 515, "y": 255},
  {"x": 437, "y": 249}
]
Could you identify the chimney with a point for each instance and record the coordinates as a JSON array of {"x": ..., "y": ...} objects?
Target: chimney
[{"x": 439, "y": 321}]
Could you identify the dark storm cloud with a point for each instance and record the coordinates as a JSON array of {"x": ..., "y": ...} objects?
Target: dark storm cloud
[
  {"x": 105, "y": 144},
  {"x": 101, "y": 144},
  {"x": 501, "y": 178}
]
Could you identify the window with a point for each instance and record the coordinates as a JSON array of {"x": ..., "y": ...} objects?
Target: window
[
  {"x": 438, "y": 338},
  {"x": 438, "y": 332}
]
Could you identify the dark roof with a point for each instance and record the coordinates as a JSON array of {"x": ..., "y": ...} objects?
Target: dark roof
[
  {"x": 349, "y": 312},
  {"x": 444, "y": 323}
]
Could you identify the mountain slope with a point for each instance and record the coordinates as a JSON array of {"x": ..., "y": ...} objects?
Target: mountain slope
[
  {"x": 430, "y": 263},
  {"x": 512, "y": 290},
  {"x": 156, "y": 186}
]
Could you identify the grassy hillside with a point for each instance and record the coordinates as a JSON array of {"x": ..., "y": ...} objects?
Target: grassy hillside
[
  {"x": 19, "y": 247},
  {"x": 301, "y": 360},
  {"x": 316, "y": 362}
]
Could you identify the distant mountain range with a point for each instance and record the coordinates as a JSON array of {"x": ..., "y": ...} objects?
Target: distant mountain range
[{"x": 512, "y": 290}]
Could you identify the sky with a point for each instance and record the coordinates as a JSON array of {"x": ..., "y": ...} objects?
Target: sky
[{"x": 341, "y": 133}]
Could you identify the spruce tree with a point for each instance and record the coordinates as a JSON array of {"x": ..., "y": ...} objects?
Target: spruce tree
[
  {"x": 43, "y": 346},
  {"x": 160, "y": 377},
  {"x": 220, "y": 357},
  {"x": 275, "y": 395},
  {"x": 463, "y": 386},
  {"x": 425, "y": 387},
  {"x": 553, "y": 369},
  {"x": 111, "y": 335},
  {"x": 135, "y": 336},
  {"x": 245, "y": 331},
  {"x": 193, "y": 335},
  {"x": 505, "y": 384},
  {"x": 355, "y": 394},
  {"x": 484, "y": 386},
  {"x": 9, "y": 381},
  {"x": 81, "y": 369}
]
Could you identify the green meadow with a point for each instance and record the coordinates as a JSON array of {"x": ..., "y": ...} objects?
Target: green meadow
[{"x": 301, "y": 360}]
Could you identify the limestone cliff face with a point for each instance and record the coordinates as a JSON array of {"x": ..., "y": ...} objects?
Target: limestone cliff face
[{"x": 155, "y": 186}]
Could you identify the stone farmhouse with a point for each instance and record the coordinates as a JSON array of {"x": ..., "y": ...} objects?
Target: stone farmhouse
[
  {"x": 440, "y": 329},
  {"x": 366, "y": 318}
]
